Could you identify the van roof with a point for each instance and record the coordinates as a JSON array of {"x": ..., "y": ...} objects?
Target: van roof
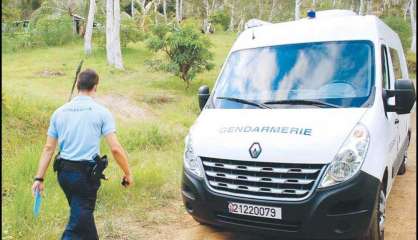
[{"x": 330, "y": 25}]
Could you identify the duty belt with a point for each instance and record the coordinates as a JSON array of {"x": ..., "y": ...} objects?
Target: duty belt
[{"x": 82, "y": 166}]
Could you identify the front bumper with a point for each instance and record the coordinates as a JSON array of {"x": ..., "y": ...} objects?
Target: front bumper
[{"x": 339, "y": 212}]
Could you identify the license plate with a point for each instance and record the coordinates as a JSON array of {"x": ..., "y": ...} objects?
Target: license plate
[{"x": 255, "y": 210}]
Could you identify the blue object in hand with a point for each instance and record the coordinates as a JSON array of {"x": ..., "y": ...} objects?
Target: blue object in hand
[{"x": 37, "y": 203}]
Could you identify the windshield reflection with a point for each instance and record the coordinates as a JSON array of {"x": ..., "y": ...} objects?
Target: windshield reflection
[{"x": 340, "y": 73}]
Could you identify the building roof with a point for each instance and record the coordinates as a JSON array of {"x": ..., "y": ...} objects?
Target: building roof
[{"x": 331, "y": 25}]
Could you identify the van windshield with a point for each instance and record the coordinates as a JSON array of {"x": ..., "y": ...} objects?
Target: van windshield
[{"x": 333, "y": 73}]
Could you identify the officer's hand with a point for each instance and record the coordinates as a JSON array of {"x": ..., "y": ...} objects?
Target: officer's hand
[
  {"x": 127, "y": 180},
  {"x": 37, "y": 186}
]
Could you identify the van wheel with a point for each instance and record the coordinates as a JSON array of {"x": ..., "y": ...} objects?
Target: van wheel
[
  {"x": 376, "y": 230},
  {"x": 402, "y": 168}
]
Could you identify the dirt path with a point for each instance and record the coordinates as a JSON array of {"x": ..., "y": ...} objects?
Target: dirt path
[{"x": 401, "y": 218}]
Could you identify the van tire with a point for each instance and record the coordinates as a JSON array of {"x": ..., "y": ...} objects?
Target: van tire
[
  {"x": 402, "y": 168},
  {"x": 374, "y": 232}
]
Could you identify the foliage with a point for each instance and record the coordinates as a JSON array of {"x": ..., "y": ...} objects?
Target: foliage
[
  {"x": 411, "y": 60},
  {"x": 186, "y": 49},
  {"x": 401, "y": 27},
  {"x": 222, "y": 18},
  {"x": 129, "y": 33},
  {"x": 9, "y": 14},
  {"x": 46, "y": 9},
  {"x": 14, "y": 42},
  {"x": 53, "y": 30}
]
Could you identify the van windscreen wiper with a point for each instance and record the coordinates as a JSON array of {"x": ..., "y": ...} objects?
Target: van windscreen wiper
[
  {"x": 303, "y": 102},
  {"x": 260, "y": 105}
]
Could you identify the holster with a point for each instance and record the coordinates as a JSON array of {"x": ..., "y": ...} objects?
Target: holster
[
  {"x": 100, "y": 164},
  {"x": 57, "y": 163}
]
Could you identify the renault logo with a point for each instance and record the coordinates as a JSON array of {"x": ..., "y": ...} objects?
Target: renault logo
[{"x": 255, "y": 150}]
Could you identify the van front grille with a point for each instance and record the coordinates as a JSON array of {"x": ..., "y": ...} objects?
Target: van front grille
[{"x": 266, "y": 180}]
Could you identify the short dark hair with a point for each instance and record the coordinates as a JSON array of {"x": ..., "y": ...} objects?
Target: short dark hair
[{"x": 87, "y": 79}]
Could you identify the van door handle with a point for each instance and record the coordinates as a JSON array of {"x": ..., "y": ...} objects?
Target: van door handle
[{"x": 396, "y": 121}]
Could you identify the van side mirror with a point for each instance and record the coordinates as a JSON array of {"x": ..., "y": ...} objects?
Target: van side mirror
[
  {"x": 203, "y": 94},
  {"x": 405, "y": 97}
]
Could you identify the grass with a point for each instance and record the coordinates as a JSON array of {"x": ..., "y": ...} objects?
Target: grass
[{"x": 154, "y": 144}]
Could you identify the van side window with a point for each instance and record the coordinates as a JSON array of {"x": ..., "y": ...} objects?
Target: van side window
[
  {"x": 396, "y": 63},
  {"x": 385, "y": 69}
]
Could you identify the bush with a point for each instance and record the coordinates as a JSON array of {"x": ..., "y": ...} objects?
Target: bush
[
  {"x": 129, "y": 33},
  {"x": 402, "y": 28},
  {"x": 54, "y": 31},
  {"x": 412, "y": 62},
  {"x": 13, "y": 42},
  {"x": 186, "y": 49},
  {"x": 220, "y": 18}
]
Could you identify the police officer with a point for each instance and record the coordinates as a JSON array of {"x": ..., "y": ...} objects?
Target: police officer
[{"x": 77, "y": 127}]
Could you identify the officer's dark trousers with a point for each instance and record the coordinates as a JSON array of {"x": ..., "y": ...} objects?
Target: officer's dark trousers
[{"x": 81, "y": 194}]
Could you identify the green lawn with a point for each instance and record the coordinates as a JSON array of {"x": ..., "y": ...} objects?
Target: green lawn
[{"x": 154, "y": 141}]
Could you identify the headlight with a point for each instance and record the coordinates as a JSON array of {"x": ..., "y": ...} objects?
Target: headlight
[
  {"x": 191, "y": 161},
  {"x": 349, "y": 158}
]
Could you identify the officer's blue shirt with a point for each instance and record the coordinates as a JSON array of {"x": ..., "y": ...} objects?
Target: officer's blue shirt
[{"x": 78, "y": 126}]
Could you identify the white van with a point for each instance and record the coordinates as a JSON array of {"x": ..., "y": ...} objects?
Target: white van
[{"x": 305, "y": 130}]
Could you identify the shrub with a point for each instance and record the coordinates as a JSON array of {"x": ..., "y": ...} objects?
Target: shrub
[
  {"x": 221, "y": 18},
  {"x": 186, "y": 49},
  {"x": 54, "y": 30},
  {"x": 12, "y": 42},
  {"x": 401, "y": 27},
  {"x": 129, "y": 33},
  {"x": 412, "y": 62}
]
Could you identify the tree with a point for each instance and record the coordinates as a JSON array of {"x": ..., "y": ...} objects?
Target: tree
[
  {"x": 179, "y": 10},
  {"x": 231, "y": 23},
  {"x": 109, "y": 32},
  {"x": 89, "y": 28},
  {"x": 361, "y": 9},
  {"x": 272, "y": 10},
  {"x": 298, "y": 3},
  {"x": 206, "y": 24},
  {"x": 113, "y": 50},
  {"x": 165, "y": 10},
  {"x": 186, "y": 49},
  {"x": 260, "y": 9},
  {"x": 413, "y": 26}
]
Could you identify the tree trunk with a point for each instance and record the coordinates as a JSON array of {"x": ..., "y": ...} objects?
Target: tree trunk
[
  {"x": 181, "y": 10},
  {"x": 333, "y": 3},
  {"x": 205, "y": 26},
  {"x": 241, "y": 23},
  {"x": 89, "y": 28},
  {"x": 132, "y": 8},
  {"x": 116, "y": 35},
  {"x": 165, "y": 10},
  {"x": 231, "y": 22},
  {"x": 361, "y": 9},
  {"x": 178, "y": 10},
  {"x": 297, "y": 9},
  {"x": 369, "y": 6},
  {"x": 405, "y": 10},
  {"x": 156, "y": 3},
  {"x": 413, "y": 26},
  {"x": 109, "y": 32},
  {"x": 273, "y": 8},
  {"x": 260, "y": 9}
]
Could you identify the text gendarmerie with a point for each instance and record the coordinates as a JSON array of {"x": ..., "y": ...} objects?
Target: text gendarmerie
[{"x": 267, "y": 129}]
